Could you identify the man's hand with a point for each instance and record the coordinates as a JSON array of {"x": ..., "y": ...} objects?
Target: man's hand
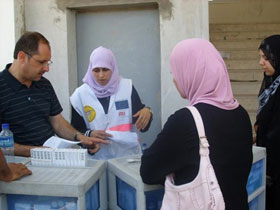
[
  {"x": 92, "y": 150},
  {"x": 92, "y": 143},
  {"x": 100, "y": 134},
  {"x": 144, "y": 115},
  {"x": 15, "y": 171},
  {"x": 63, "y": 129}
]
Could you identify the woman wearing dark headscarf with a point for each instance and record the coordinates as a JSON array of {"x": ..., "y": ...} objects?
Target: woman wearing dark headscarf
[
  {"x": 107, "y": 102},
  {"x": 200, "y": 75},
  {"x": 268, "y": 117}
]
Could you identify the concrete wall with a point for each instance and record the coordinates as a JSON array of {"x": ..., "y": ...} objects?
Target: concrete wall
[
  {"x": 12, "y": 26},
  {"x": 244, "y": 11},
  {"x": 189, "y": 19},
  {"x": 236, "y": 28},
  {"x": 45, "y": 17},
  {"x": 179, "y": 19}
]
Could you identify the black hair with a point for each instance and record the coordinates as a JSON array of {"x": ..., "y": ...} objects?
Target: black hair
[
  {"x": 271, "y": 49},
  {"x": 29, "y": 43}
]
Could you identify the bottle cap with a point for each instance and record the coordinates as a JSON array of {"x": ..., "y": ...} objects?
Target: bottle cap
[
  {"x": 144, "y": 146},
  {"x": 5, "y": 126}
]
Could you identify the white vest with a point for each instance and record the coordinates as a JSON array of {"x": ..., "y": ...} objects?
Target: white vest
[{"x": 118, "y": 118}]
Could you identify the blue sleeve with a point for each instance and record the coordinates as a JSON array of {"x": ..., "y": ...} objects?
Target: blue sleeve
[{"x": 136, "y": 106}]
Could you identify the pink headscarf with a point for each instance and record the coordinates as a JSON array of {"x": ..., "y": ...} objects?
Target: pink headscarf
[
  {"x": 102, "y": 58},
  {"x": 201, "y": 74}
]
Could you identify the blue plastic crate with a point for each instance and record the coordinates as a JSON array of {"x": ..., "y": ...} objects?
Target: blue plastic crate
[
  {"x": 126, "y": 195},
  {"x": 35, "y": 202},
  {"x": 93, "y": 197},
  {"x": 154, "y": 199},
  {"x": 253, "y": 205},
  {"x": 126, "y": 189},
  {"x": 255, "y": 176},
  {"x": 31, "y": 202}
]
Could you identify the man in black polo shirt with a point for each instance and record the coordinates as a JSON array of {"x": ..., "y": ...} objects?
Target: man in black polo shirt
[{"x": 28, "y": 101}]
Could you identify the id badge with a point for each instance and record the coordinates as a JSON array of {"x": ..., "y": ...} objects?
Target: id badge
[
  {"x": 122, "y": 109},
  {"x": 121, "y": 104}
]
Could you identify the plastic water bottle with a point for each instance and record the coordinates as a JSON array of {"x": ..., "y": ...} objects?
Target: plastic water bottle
[
  {"x": 7, "y": 140},
  {"x": 144, "y": 146}
]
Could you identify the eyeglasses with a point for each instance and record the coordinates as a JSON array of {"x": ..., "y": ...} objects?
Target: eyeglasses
[{"x": 42, "y": 63}]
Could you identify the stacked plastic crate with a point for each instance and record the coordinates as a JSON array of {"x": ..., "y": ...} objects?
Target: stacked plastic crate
[
  {"x": 127, "y": 192},
  {"x": 257, "y": 180},
  {"x": 50, "y": 188},
  {"x": 126, "y": 189},
  {"x": 85, "y": 188}
]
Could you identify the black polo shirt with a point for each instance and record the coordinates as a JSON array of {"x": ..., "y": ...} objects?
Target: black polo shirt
[{"x": 27, "y": 110}]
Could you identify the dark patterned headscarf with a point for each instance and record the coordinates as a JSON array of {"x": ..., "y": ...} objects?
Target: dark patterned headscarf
[
  {"x": 270, "y": 46},
  {"x": 271, "y": 49}
]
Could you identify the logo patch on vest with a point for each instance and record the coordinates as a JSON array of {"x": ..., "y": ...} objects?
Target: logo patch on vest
[
  {"x": 90, "y": 113},
  {"x": 121, "y": 104},
  {"x": 122, "y": 114}
]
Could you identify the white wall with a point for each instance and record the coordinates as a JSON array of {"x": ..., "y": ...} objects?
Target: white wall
[
  {"x": 179, "y": 19},
  {"x": 44, "y": 17},
  {"x": 7, "y": 33}
]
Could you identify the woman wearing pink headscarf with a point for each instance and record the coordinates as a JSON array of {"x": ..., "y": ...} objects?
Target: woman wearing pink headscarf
[
  {"x": 107, "y": 105},
  {"x": 200, "y": 75}
]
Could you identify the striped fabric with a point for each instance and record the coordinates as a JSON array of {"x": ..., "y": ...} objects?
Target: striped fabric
[{"x": 27, "y": 110}]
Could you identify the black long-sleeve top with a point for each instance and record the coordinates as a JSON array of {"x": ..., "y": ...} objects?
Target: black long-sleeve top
[
  {"x": 176, "y": 150},
  {"x": 78, "y": 122},
  {"x": 268, "y": 134}
]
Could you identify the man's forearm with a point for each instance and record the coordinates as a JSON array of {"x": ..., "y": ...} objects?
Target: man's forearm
[
  {"x": 23, "y": 150},
  {"x": 62, "y": 128}
]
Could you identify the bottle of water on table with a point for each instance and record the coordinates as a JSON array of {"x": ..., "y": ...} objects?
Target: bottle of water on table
[
  {"x": 144, "y": 146},
  {"x": 7, "y": 141}
]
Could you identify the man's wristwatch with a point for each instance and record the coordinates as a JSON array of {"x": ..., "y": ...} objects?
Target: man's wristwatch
[{"x": 76, "y": 136}]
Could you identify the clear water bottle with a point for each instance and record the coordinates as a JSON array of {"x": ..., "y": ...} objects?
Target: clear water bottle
[
  {"x": 144, "y": 146},
  {"x": 7, "y": 140}
]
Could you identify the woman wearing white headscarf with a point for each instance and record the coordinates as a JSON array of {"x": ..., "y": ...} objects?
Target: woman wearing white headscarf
[
  {"x": 200, "y": 76},
  {"x": 107, "y": 102}
]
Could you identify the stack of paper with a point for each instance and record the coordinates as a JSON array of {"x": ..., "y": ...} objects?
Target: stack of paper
[{"x": 59, "y": 157}]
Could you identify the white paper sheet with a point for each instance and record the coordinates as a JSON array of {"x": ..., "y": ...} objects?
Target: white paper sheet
[
  {"x": 56, "y": 142},
  {"x": 122, "y": 137}
]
